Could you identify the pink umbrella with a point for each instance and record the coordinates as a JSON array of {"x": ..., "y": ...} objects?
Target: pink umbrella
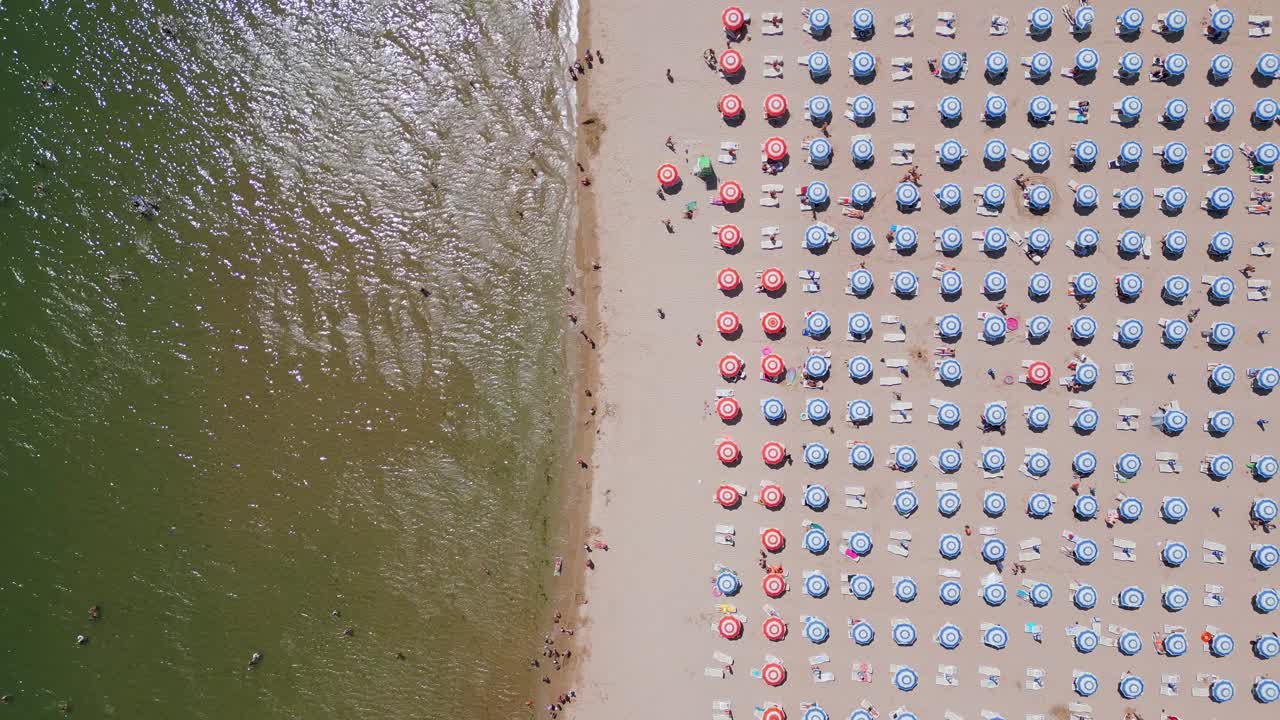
[{"x": 728, "y": 496}]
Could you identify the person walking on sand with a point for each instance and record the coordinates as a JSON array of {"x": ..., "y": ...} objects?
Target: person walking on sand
[{"x": 671, "y": 145}]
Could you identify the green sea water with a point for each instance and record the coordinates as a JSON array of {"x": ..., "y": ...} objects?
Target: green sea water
[{"x": 232, "y": 418}]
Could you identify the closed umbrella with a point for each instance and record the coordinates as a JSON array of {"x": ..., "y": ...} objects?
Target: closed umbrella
[
  {"x": 1131, "y": 199},
  {"x": 994, "y": 594},
  {"x": 1176, "y": 598},
  {"x": 905, "y": 589},
  {"x": 863, "y": 64},
  {"x": 1086, "y": 60},
  {"x": 1038, "y": 417},
  {"x": 1086, "y": 197},
  {"x": 861, "y": 150},
  {"x": 949, "y": 636},
  {"x": 1130, "y": 331},
  {"x": 861, "y": 455},
  {"x": 861, "y": 282},
  {"x": 1086, "y": 152},
  {"x": 951, "y": 63},
  {"x": 861, "y": 586},
  {"x": 1222, "y": 377},
  {"x": 1221, "y": 110},
  {"x": 995, "y": 151},
  {"x": 1222, "y": 645},
  {"x": 1175, "y": 110},
  {"x": 951, "y": 283},
  {"x": 905, "y": 283},
  {"x": 817, "y": 194},
  {"x": 905, "y": 502},
  {"x": 1174, "y": 554},
  {"x": 860, "y": 367},
  {"x": 997, "y": 63},
  {"x": 949, "y": 415},
  {"x": 1131, "y": 687},
  {"x": 860, "y": 411},
  {"x": 816, "y": 497},
  {"x": 993, "y": 550},
  {"x": 1267, "y": 379},
  {"x": 993, "y": 460},
  {"x": 949, "y": 503},
  {"x": 1130, "y": 21},
  {"x": 1085, "y": 597},
  {"x": 949, "y": 592},
  {"x": 1174, "y": 509},
  {"x": 1129, "y": 465},
  {"x": 1086, "y": 551},
  {"x": 904, "y": 634},
  {"x": 1221, "y": 422},
  {"x": 995, "y": 637},
  {"x": 1084, "y": 463},
  {"x": 1129, "y": 643},
  {"x": 819, "y": 106},
  {"x": 950, "y": 152},
  {"x": 863, "y": 107},
  {"x": 1175, "y": 331},
  {"x": 1038, "y": 327},
  {"x": 1039, "y": 108},
  {"x": 949, "y": 459},
  {"x": 1041, "y": 19},
  {"x": 1221, "y": 466},
  {"x": 1086, "y": 684},
  {"x": 1131, "y": 107},
  {"x": 950, "y": 545},
  {"x": 907, "y": 195},
  {"x": 1132, "y": 598},
  {"x": 819, "y": 64},
  {"x": 996, "y": 106},
  {"x": 861, "y": 633},
  {"x": 862, "y": 194},
  {"x": 994, "y": 503},
  {"x": 1040, "y": 505},
  {"x": 1041, "y": 64},
  {"x": 1266, "y": 110},
  {"x": 994, "y": 328},
  {"x": 1083, "y": 328},
  {"x": 1222, "y": 333},
  {"x": 1131, "y": 63},
  {"x": 1086, "y": 641}
]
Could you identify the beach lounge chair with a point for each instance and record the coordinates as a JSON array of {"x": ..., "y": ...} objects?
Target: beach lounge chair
[
  {"x": 988, "y": 677},
  {"x": 714, "y": 672},
  {"x": 855, "y": 497},
  {"x": 947, "y": 676},
  {"x": 722, "y": 658}
]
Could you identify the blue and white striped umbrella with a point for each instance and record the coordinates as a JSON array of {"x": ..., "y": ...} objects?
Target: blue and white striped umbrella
[
  {"x": 815, "y": 236},
  {"x": 815, "y": 541},
  {"x": 1222, "y": 333},
  {"x": 994, "y": 328},
  {"x": 996, "y": 637},
  {"x": 1131, "y": 198},
  {"x": 863, "y": 107},
  {"x": 950, "y": 459},
  {"x": 905, "y": 502},
  {"x": 1267, "y": 154},
  {"x": 1132, "y": 598},
  {"x": 1086, "y": 421},
  {"x": 906, "y": 680},
  {"x": 1038, "y": 417},
  {"x": 1176, "y": 598},
  {"x": 1130, "y": 20},
  {"x": 1038, "y": 464},
  {"x": 1130, "y": 330},
  {"x": 1176, "y": 110},
  {"x": 905, "y": 237},
  {"x": 1175, "y": 21},
  {"x": 1221, "y": 198},
  {"x": 1222, "y": 242},
  {"x": 949, "y": 592},
  {"x": 1083, "y": 18},
  {"x": 905, "y": 589},
  {"x": 860, "y": 543},
  {"x": 816, "y": 454},
  {"x": 819, "y": 19},
  {"x": 995, "y": 594},
  {"x": 905, "y": 282},
  {"x": 862, "y": 633},
  {"x": 949, "y": 636},
  {"x": 1129, "y": 643},
  {"x": 1176, "y": 64},
  {"x": 819, "y": 64},
  {"x": 1221, "y": 422},
  {"x": 813, "y": 712},
  {"x": 1041, "y": 64},
  {"x": 1086, "y": 641},
  {"x": 904, "y": 634},
  {"x": 1266, "y": 109},
  {"x": 1222, "y": 154},
  {"x": 861, "y": 238},
  {"x": 1175, "y": 331},
  {"x": 1222, "y": 20},
  {"x": 1221, "y": 466},
  {"x": 950, "y": 152},
  {"x": 817, "y": 366},
  {"x": 1221, "y": 691},
  {"x": 1086, "y": 374},
  {"x": 1268, "y": 65},
  {"x": 863, "y": 19},
  {"x": 1131, "y": 152},
  {"x": 950, "y": 546},
  {"x": 1264, "y": 510},
  {"x": 1223, "y": 377},
  {"x": 1086, "y": 684},
  {"x": 860, "y": 455},
  {"x": 1041, "y": 19},
  {"x": 995, "y": 151},
  {"x": 860, "y": 411},
  {"x": 1086, "y": 551},
  {"x": 1266, "y": 557},
  {"x": 1086, "y": 507},
  {"x": 817, "y": 323},
  {"x": 861, "y": 586},
  {"x": 1175, "y": 242},
  {"x": 859, "y": 323},
  {"x": 993, "y": 459},
  {"x": 820, "y": 151},
  {"x": 1086, "y": 60},
  {"x": 994, "y": 503},
  {"x": 1267, "y": 379},
  {"x": 1039, "y": 107},
  {"x": 1131, "y": 63},
  {"x": 951, "y": 62},
  {"x": 1266, "y": 646},
  {"x": 1040, "y": 284},
  {"x": 1039, "y": 197},
  {"x": 1085, "y": 597},
  {"x": 1040, "y": 505},
  {"x": 1222, "y": 110},
  {"x": 1086, "y": 197},
  {"x": 860, "y": 367},
  {"x": 1039, "y": 326},
  {"x": 727, "y": 583},
  {"x": 1176, "y": 153},
  {"x": 1041, "y": 594},
  {"x": 1174, "y": 554},
  {"x": 862, "y": 63},
  {"x": 995, "y": 283},
  {"x": 1266, "y": 690},
  {"x": 1176, "y": 288},
  {"x": 950, "y": 107},
  {"x": 950, "y": 371},
  {"x": 1266, "y": 467},
  {"x": 1085, "y": 462},
  {"x": 1131, "y": 687},
  {"x": 1130, "y": 285},
  {"x": 1083, "y": 327},
  {"x": 1131, "y": 106},
  {"x": 951, "y": 283},
  {"x": 993, "y": 550},
  {"x": 861, "y": 714},
  {"x": 907, "y": 195},
  {"x": 1130, "y": 242},
  {"x": 1222, "y": 645},
  {"x": 818, "y": 193},
  {"x": 948, "y": 195},
  {"x": 773, "y": 409},
  {"x": 862, "y": 194},
  {"x": 1086, "y": 152},
  {"x": 949, "y": 503},
  {"x": 997, "y": 63},
  {"x": 817, "y": 632},
  {"x": 1174, "y": 509},
  {"x": 816, "y": 585},
  {"x": 1040, "y": 153},
  {"x": 949, "y": 414},
  {"x": 996, "y": 106},
  {"x": 1130, "y": 509},
  {"x": 816, "y": 497},
  {"x": 905, "y": 457},
  {"x": 819, "y": 107},
  {"x": 1039, "y": 240}
]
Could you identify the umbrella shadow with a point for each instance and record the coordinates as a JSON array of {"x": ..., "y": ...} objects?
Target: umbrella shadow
[
  {"x": 1128, "y": 213},
  {"x": 1172, "y": 124},
  {"x": 865, "y": 79},
  {"x": 950, "y": 298},
  {"x": 1260, "y": 80},
  {"x": 1172, "y": 36},
  {"x": 1040, "y": 79},
  {"x": 1084, "y": 210},
  {"x": 951, "y": 122},
  {"x": 1083, "y": 78},
  {"x": 1258, "y": 124},
  {"x": 1081, "y": 341},
  {"x": 735, "y": 121},
  {"x": 1173, "y": 80},
  {"x": 735, "y": 78},
  {"x": 950, "y": 210},
  {"x": 1032, "y": 340},
  {"x": 996, "y": 123},
  {"x": 781, "y": 120},
  {"x": 776, "y": 336},
  {"x": 735, "y": 335},
  {"x": 1217, "y": 125},
  {"x": 1214, "y": 80},
  {"x": 1129, "y": 79},
  {"x": 820, "y": 250},
  {"x": 1213, "y": 388},
  {"x": 732, "y": 292},
  {"x": 1038, "y": 211},
  {"x": 822, "y": 79},
  {"x": 992, "y": 165},
  {"x": 997, "y": 78}
]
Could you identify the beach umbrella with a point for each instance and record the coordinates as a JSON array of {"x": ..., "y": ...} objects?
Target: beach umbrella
[
  {"x": 774, "y": 586},
  {"x": 817, "y": 193},
  {"x": 816, "y": 497},
  {"x": 1132, "y": 598},
  {"x": 1174, "y": 509},
  {"x": 1174, "y": 554},
  {"x": 1130, "y": 330},
  {"x": 992, "y": 459},
  {"x": 1041, "y": 64},
  {"x": 817, "y": 324},
  {"x": 1176, "y": 288},
  {"x": 819, "y": 20},
  {"x": 863, "y": 20},
  {"x": 1129, "y": 643},
  {"x": 1222, "y": 333},
  {"x": 730, "y": 627},
  {"x": 1221, "y": 198},
  {"x": 1267, "y": 154},
  {"x": 993, "y": 195},
  {"x": 773, "y": 453},
  {"x": 730, "y": 193},
  {"x": 860, "y": 367},
  {"x": 1221, "y": 691},
  {"x": 1268, "y": 65},
  {"x": 995, "y": 283},
  {"x": 1039, "y": 240},
  {"x": 951, "y": 62},
  {"x": 950, "y": 284},
  {"x": 819, "y": 106},
  {"x": 1222, "y": 242},
  {"x": 1266, "y": 690},
  {"x": 1038, "y": 327},
  {"x": 1041, "y": 19},
  {"x": 1175, "y": 242},
  {"x": 773, "y": 366},
  {"x": 733, "y": 18},
  {"x": 731, "y": 62},
  {"x": 1175, "y": 331},
  {"x": 949, "y": 636},
  {"x": 1086, "y": 374},
  {"x": 728, "y": 496},
  {"x": 1131, "y": 687},
  {"x": 819, "y": 64},
  {"x": 1083, "y": 327},
  {"x": 728, "y": 279},
  {"x": 859, "y": 324},
  {"x": 730, "y": 366},
  {"x": 863, "y": 107},
  {"x": 949, "y": 503},
  {"x": 1176, "y": 598},
  {"x": 949, "y": 414},
  {"x": 773, "y": 628},
  {"x": 772, "y": 539},
  {"x": 1086, "y": 641},
  {"x": 1175, "y": 644},
  {"x": 949, "y": 459},
  {"x": 1266, "y": 646},
  {"x": 949, "y": 195},
  {"x": 1175, "y": 153},
  {"x": 861, "y": 586},
  {"x": 996, "y": 637},
  {"x": 950, "y": 107},
  {"x": 728, "y": 409},
  {"x": 1221, "y": 422},
  {"x": 997, "y": 63},
  {"x": 1130, "y": 20},
  {"x": 862, "y": 150},
  {"x": 1086, "y": 60},
  {"x": 1130, "y": 243},
  {"x": 1086, "y": 421},
  {"x": 995, "y": 151},
  {"x": 950, "y": 545},
  {"x": 1040, "y": 505},
  {"x": 1085, "y": 506},
  {"x": 772, "y": 279},
  {"x": 1086, "y": 152},
  {"x": 728, "y": 584},
  {"x": 1266, "y": 557},
  {"x": 994, "y": 414},
  {"x": 1038, "y": 416},
  {"x": 1131, "y": 152},
  {"x": 819, "y": 151},
  {"x": 905, "y": 283},
  {"x": 1175, "y": 21},
  {"x": 1131, "y": 107},
  {"x": 1221, "y": 466},
  {"x": 1221, "y": 20},
  {"x": 904, "y": 634},
  {"x": 1266, "y": 467},
  {"x": 1039, "y": 284},
  {"x": 863, "y": 64},
  {"x": 1222, "y": 109},
  {"x": 1130, "y": 509},
  {"x": 993, "y": 550},
  {"x": 1086, "y": 684},
  {"x": 727, "y": 322},
  {"x": 996, "y": 106},
  {"x": 817, "y": 366},
  {"x": 1264, "y": 510},
  {"x": 904, "y": 457},
  {"x": 950, "y": 152},
  {"x": 729, "y": 236},
  {"x": 813, "y": 712},
  {"x": 906, "y": 679},
  {"x": 775, "y": 105},
  {"x": 860, "y": 281},
  {"x": 668, "y": 175},
  {"x": 1039, "y": 197},
  {"x": 1131, "y": 198},
  {"x": 775, "y": 148},
  {"x": 862, "y": 633},
  {"x": 908, "y": 196},
  {"x": 1085, "y": 597},
  {"x": 1222, "y": 377},
  {"x": 1176, "y": 110},
  {"x": 994, "y": 594},
  {"x": 1131, "y": 63},
  {"x": 1039, "y": 108},
  {"x": 1086, "y": 284},
  {"x": 860, "y": 544},
  {"x": 862, "y": 194},
  {"x": 1086, "y": 551},
  {"x": 1041, "y": 594},
  {"x": 815, "y": 541},
  {"x": 994, "y": 503},
  {"x": 905, "y": 502},
  {"x": 728, "y": 452},
  {"x": 773, "y": 674},
  {"x": 730, "y": 107},
  {"x": 905, "y": 589},
  {"x": 817, "y": 633},
  {"x": 993, "y": 329},
  {"x": 1040, "y": 153},
  {"x": 1083, "y": 18},
  {"x": 1085, "y": 462},
  {"x": 1129, "y": 285},
  {"x": 816, "y": 454},
  {"x": 949, "y": 592},
  {"x": 1222, "y": 645},
  {"x": 1222, "y": 154},
  {"x": 860, "y": 455},
  {"x": 1086, "y": 197},
  {"x": 1176, "y": 64},
  {"x": 1266, "y": 110}
]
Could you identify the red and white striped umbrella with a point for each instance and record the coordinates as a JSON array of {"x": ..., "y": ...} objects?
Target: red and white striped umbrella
[
  {"x": 731, "y": 61},
  {"x": 731, "y": 193},
  {"x": 772, "y": 497},
  {"x": 730, "y": 627},
  {"x": 728, "y": 409},
  {"x": 728, "y": 496},
  {"x": 773, "y": 713},
  {"x": 772, "y": 279},
  {"x": 772, "y": 323},
  {"x": 733, "y": 18},
  {"x": 730, "y": 366},
  {"x": 731, "y": 105},
  {"x": 774, "y": 629},
  {"x": 1039, "y": 372},
  {"x": 775, "y": 148},
  {"x": 774, "y": 586},
  {"x": 727, "y": 322},
  {"x": 772, "y": 365},
  {"x": 773, "y": 674},
  {"x": 728, "y": 279},
  {"x": 728, "y": 452},
  {"x": 729, "y": 236},
  {"x": 775, "y": 105},
  {"x": 773, "y": 452},
  {"x": 772, "y": 539},
  {"x": 668, "y": 175}
]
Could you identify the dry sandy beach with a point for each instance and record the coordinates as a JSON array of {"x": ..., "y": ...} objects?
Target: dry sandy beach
[{"x": 652, "y": 613}]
